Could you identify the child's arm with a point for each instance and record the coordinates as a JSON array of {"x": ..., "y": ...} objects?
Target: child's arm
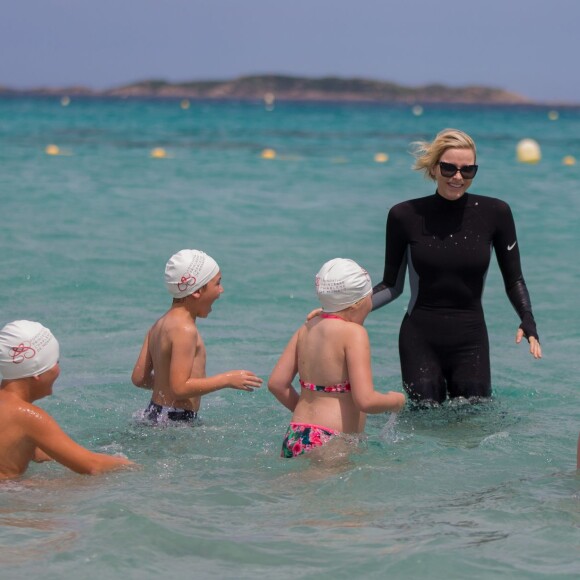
[
  {"x": 182, "y": 385},
  {"x": 241, "y": 380},
  {"x": 40, "y": 456},
  {"x": 358, "y": 360},
  {"x": 280, "y": 382},
  {"x": 55, "y": 444},
  {"x": 143, "y": 371}
]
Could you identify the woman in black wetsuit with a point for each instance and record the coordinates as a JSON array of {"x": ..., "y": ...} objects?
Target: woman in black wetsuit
[{"x": 445, "y": 241}]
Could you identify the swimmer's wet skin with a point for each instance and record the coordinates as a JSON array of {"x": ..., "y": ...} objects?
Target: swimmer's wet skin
[
  {"x": 342, "y": 393},
  {"x": 29, "y": 366}
]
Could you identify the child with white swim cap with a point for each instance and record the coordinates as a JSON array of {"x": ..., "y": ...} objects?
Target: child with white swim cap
[
  {"x": 331, "y": 355},
  {"x": 173, "y": 356},
  {"x": 29, "y": 367}
]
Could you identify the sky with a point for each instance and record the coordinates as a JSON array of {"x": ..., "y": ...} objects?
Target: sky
[{"x": 530, "y": 47}]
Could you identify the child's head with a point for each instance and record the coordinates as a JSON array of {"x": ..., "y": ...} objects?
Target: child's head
[
  {"x": 341, "y": 283},
  {"x": 188, "y": 271},
  {"x": 27, "y": 349}
]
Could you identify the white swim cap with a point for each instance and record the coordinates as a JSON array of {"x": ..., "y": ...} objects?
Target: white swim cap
[
  {"x": 187, "y": 271},
  {"x": 340, "y": 283},
  {"x": 27, "y": 349}
]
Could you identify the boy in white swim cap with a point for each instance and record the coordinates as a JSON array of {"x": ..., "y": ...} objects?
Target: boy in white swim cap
[
  {"x": 29, "y": 367},
  {"x": 172, "y": 359},
  {"x": 331, "y": 355}
]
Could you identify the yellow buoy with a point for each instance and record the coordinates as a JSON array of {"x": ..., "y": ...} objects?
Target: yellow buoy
[
  {"x": 52, "y": 150},
  {"x": 569, "y": 160},
  {"x": 185, "y": 104},
  {"x": 268, "y": 154},
  {"x": 381, "y": 157},
  {"x": 417, "y": 110},
  {"x": 158, "y": 153},
  {"x": 553, "y": 115},
  {"x": 528, "y": 151},
  {"x": 65, "y": 101}
]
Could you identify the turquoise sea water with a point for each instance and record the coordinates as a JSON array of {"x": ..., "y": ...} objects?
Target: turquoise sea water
[{"x": 484, "y": 492}]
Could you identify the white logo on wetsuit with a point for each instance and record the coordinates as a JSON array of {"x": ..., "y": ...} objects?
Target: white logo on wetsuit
[{"x": 512, "y": 246}]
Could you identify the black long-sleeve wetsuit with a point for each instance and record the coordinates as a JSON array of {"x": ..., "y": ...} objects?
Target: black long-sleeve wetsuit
[{"x": 447, "y": 245}]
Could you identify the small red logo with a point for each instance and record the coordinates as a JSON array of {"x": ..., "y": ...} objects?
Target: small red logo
[
  {"x": 186, "y": 282},
  {"x": 21, "y": 352}
]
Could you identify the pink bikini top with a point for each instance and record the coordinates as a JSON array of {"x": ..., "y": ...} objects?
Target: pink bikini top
[
  {"x": 327, "y": 315},
  {"x": 338, "y": 388}
]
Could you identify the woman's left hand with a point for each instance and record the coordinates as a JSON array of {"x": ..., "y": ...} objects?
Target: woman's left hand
[{"x": 535, "y": 348}]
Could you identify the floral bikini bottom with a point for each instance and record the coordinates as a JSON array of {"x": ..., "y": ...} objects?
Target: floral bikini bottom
[{"x": 302, "y": 437}]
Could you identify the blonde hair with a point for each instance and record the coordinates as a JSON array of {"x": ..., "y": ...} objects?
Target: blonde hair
[{"x": 427, "y": 155}]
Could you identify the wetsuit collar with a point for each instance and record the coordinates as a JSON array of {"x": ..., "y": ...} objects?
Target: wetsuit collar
[{"x": 459, "y": 202}]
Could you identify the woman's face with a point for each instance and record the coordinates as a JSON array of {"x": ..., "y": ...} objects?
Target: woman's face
[{"x": 453, "y": 187}]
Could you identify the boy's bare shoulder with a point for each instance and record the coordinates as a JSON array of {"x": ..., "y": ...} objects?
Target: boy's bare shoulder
[
  {"x": 176, "y": 323},
  {"x": 174, "y": 319},
  {"x": 29, "y": 411},
  {"x": 16, "y": 411}
]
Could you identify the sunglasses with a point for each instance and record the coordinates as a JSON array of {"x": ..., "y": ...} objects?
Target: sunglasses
[{"x": 449, "y": 170}]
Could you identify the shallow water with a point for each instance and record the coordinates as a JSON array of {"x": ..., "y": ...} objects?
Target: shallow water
[{"x": 461, "y": 491}]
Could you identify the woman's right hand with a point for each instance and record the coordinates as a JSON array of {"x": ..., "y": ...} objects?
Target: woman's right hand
[{"x": 313, "y": 314}]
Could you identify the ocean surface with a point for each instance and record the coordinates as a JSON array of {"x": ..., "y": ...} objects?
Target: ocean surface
[{"x": 462, "y": 491}]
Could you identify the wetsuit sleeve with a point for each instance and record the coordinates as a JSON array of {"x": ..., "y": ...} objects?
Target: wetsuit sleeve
[
  {"x": 506, "y": 249},
  {"x": 393, "y": 281}
]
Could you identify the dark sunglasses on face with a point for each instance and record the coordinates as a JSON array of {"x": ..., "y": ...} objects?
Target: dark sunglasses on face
[{"x": 449, "y": 170}]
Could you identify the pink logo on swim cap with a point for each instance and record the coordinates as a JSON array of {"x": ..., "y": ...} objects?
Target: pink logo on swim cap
[
  {"x": 21, "y": 352},
  {"x": 186, "y": 282},
  {"x": 27, "y": 349},
  {"x": 317, "y": 281}
]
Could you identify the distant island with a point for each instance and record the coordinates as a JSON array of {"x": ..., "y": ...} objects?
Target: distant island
[{"x": 292, "y": 88}]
